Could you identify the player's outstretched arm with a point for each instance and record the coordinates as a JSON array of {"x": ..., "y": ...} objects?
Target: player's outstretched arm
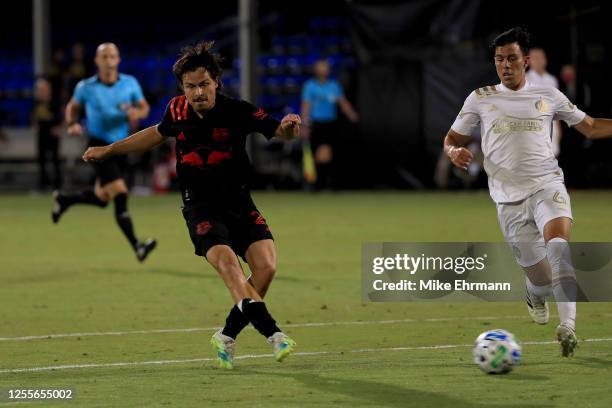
[
  {"x": 595, "y": 128},
  {"x": 137, "y": 143},
  {"x": 453, "y": 147},
  {"x": 289, "y": 127}
]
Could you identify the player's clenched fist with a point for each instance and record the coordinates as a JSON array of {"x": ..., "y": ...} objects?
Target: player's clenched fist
[
  {"x": 290, "y": 126},
  {"x": 460, "y": 156},
  {"x": 98, "y": 153}
]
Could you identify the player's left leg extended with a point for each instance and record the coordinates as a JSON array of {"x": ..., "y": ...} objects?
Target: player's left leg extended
[
  {"x": 117, "y": 192},
  {"x": 247, "y": 300},
  {"x": 261, "y": 257},
  {"x": 556, "y": 235}
]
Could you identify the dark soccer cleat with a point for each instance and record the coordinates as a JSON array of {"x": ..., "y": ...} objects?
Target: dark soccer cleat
[
  {"x": 58, "y": 207},
  {"x": 566, "y": 336},
  {"x": 144, "y": 248}
]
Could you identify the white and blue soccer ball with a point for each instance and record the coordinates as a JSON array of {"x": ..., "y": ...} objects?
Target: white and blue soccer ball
[{"x": 497, "y": 351}]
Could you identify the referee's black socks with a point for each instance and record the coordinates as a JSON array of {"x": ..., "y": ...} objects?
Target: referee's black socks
[
  {"x": 123, "y": 218},
  {"x": 260, "y": 318},
  {"x": 84, "y": 197}
]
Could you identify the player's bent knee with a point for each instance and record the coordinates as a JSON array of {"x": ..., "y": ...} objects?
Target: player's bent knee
[
  {"x": 115, "y": 188},
  {"x": 265, "y": 270},
  {"x": 223, "y": 259},
  {"x": 558, "y": 228},
  {"x": 101, "y": 193}
]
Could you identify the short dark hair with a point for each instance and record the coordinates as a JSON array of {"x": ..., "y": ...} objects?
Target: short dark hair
[
  {"x": 514, "y": 35},
  {"x": 197, "y": 56}
]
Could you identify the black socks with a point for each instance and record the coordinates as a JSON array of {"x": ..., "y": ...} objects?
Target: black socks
[
  {"x": 123, "y": 219},
  {"x": 84, "y": 197},
  {"x": 260, "y": 318},
  {"x": 235, "y": 322}
]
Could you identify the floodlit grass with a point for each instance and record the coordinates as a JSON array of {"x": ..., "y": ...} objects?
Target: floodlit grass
[{"x": 81, "y": 277}]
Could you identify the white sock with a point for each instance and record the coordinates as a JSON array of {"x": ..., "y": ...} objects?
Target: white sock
[
  {"x": 539, "y": 291},
  {"x": 563, "y": 280}
]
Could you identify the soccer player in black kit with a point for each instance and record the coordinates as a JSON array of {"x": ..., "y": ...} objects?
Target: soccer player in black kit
[{"x": 213, "y": 168}]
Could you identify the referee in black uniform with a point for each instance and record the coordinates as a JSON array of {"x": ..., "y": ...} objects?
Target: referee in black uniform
[{"x": 213, "y": 168}]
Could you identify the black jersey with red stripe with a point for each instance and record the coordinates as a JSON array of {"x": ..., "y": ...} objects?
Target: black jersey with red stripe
[{"x": 210, "y": 151}]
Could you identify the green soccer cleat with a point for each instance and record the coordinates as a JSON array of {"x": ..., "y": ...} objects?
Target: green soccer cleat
[
  {"x": 282, "y": 345},
  {"x": 566, "y": 336},
  {"x": 224, "y": 346}
]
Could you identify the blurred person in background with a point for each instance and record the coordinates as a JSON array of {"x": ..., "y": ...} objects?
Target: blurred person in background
[
  {"x": 47, "y": 120},
  {"x": 575, "y": 156},
  {"x": 111, "y": 101},
  {"x": 537, "y": 75},
  {"x": 79, "y": 67},
  {"x": 321, "y": 97},
  {"x": 58, "y": 76},
  {"x": 576, "y": 91}
]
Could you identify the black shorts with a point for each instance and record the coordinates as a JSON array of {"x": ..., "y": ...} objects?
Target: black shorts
[
  {"x": 323, "y": 133},
  {"x": 237, "y": 224},
  {"x": 108, "y": 170}
]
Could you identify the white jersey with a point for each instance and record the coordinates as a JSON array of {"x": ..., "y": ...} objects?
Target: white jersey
[{"x": 515, "y": 128}]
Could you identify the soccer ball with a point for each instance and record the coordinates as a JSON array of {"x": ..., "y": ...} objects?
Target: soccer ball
[{"x": 497, "y": 351}]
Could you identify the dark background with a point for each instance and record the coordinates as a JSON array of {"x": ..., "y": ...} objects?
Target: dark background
[{"x": 411, "y": 64}]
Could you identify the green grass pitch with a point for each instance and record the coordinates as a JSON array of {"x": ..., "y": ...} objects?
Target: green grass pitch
[{"x": 80, "y": 277}]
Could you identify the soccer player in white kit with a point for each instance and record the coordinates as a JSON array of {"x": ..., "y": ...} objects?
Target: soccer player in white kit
[{"x": 525, "y": 180}]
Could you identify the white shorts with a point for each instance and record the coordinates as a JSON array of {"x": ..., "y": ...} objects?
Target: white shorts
[{"x": 522, "y": 222}]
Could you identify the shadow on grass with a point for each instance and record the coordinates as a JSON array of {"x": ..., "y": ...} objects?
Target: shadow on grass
[
  {"x": 384, "y": 394},
  {"x": 203, "y": 274},
  {"x": 593, "y": 362},
  {"x": 206, "y": 273}
]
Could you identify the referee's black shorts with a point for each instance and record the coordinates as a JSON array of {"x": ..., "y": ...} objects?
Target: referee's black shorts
[
  {"x": 236, "y": 223},
  {"x": 324, "y": 133},
  {"x": 108, "y": 170}
]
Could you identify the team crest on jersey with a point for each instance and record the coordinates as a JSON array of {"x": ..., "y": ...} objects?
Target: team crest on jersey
[
  {"x": 220, "y": 134},
  {"x": 542, "y": 106},
  {"x": 204, "y": 157}
]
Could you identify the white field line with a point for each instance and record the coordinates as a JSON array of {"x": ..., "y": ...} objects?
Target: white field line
[
  {"x": 314, "y": 324},
  {"x": 253, "y": 356}
]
